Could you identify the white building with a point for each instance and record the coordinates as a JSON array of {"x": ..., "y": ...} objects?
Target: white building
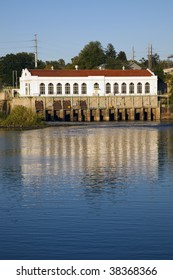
[{"x": 39, "y": 82}]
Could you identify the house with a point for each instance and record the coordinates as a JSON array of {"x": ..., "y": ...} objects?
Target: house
[
  {"x": 168, "y": 71},
  {"x": 86, "y": 83},
  {"x": 134, "y": 66}
]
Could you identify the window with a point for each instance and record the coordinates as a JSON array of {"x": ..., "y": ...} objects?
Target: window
[
  {"x": 147, "y": 88},
  {"x": 67, "y": 88},
  {"x": 96, "y": 86},
  {"x": 139, "y": 88},
  {"x": 116, "y": 88},
  {"x": 84, "y": 88},
  {"x": 42, "y": 88},
  {"x": 59, "y": 88},
  {"x": 75, "y": 89},
  {"x": 123, "y": 88},
  {"x": 108, "y": 88},
  {"x": 50, "y": 88},
  {"x": 131, "y": 88},
  {"x": 27, "y": 88}
]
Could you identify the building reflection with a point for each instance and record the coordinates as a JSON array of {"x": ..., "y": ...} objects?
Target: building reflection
[{"x": 90, "y": 155}]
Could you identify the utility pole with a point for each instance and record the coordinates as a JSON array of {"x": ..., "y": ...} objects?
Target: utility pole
[
  {"x": 14, "y": 77},
  {"x": 35, "y": 50},
  {"x": 150, "y": 56},
  {"x": 133, "y": 54}
]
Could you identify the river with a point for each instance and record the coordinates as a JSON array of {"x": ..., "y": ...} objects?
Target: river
[{"x": 99, "y": 191}]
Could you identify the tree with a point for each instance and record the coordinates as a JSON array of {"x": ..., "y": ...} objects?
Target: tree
[
  {"x": 110, "y": 51},
  {"x": 91, "y": 56},
  {"x": 143, "y": 62},
  {"x": 122, "y": 56},
  {"x": 155, "y": 60},
  {"x": 74, "y": 61},
  {"x": 16, "y": 62},
  {"x": 158, "y": 70},
  {"x": 112, "y": 63},
  {"x": 61, "y": 62},
  {"x": 169, "y": 81},
  {"x": 56, "y": 64}
]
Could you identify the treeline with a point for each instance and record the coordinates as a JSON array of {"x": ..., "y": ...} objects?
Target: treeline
[{"x": 91, "y": 56}]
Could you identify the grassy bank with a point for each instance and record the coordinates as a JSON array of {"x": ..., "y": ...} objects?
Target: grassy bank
[{"x": 21, "y": 117}]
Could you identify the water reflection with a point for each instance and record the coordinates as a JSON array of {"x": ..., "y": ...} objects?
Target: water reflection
[
  {"x": 87, "y": 192},
  {"x": 96, "y": 154}
]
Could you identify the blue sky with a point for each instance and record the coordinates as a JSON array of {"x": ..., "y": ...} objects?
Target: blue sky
[{"x": 64, "y": 27}]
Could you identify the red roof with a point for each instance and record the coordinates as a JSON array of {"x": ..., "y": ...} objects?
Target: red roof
[{"x": 86, "y": 73}]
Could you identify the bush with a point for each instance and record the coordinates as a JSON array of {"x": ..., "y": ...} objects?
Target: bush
[
  {"x": 2, "y": 116},
  {"x": 21, "y": 117}
]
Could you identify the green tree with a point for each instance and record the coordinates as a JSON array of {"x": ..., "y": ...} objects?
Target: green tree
[
  {"x": 158, "y": 70},
  {"x": 143, "y": 62},
  {"x": 16, "y": 62},
  {"x": 56, "y": 64},
  {"x": 61, "y": 62},
  {"x": 122, "y": 56},
  {"x": 169, "y": 81},
  {"x": 91, "y": 56},
  {"x": 110, "y": 51},
  {"x": 112, "y": 63},
  {"x": 155, "y": 60}
]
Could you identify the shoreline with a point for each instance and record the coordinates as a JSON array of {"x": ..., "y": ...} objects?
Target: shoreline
[{"x": 93, "y": 124}]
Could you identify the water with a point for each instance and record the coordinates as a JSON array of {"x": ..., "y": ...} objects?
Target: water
[{"x": 102, "y": 191}]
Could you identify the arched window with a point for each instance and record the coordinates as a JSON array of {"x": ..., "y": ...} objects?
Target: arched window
[
  {"x": 131, "y": 88},
  {"x": 116, "y": 88},
  {"x": 50, "y": 88},
  {"x": 96, "y": 86},
  {"x": 67, "y": 88},
  {"x": 59, "y": 88},
  {"x": 123, "y": 88},
  {"x": 147, "y": 88},
  {"x": 75, "y": 88},
  {"x": 42, "y": 88},
  {"x": 108, "y": 88},
  {"x": 84, "y": 88},
  {"x": 139, "y": 88}
]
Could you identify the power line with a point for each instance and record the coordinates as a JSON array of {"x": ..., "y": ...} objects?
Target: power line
[
  {"x": 18, "y": 41},
  {"x": 9, "y": 46}
]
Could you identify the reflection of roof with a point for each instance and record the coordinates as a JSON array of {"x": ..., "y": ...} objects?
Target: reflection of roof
[{"x": 86, "y": 73}]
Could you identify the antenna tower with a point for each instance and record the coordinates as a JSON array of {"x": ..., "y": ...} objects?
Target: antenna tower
[{"x": 150, "y": 56}]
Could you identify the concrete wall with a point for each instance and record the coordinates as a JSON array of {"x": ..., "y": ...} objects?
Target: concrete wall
[{"x": 92, "y": 108}]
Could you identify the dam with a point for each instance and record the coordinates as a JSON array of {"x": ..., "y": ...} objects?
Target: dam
[
  {"x": 89, "y": 95},
  {"x": 88, "y": 109}
]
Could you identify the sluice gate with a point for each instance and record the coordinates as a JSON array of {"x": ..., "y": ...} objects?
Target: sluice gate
[{"x": 93, "y": 109}]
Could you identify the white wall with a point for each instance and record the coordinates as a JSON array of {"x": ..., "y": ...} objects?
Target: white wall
[{"x": 32, "y": 83}]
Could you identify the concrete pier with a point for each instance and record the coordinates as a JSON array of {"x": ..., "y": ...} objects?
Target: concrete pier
[{"x": 88, "y": 109}]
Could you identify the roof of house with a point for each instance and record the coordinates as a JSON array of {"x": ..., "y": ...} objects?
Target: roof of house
[
  {"x": 134, "y": 66},
  {"x": 86, "y": 73}
]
